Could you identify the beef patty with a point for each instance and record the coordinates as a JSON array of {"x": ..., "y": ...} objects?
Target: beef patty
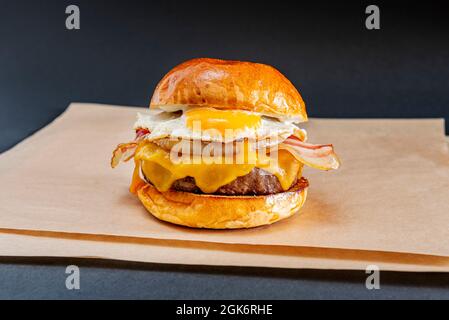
[{"x": 257, "y": 182}]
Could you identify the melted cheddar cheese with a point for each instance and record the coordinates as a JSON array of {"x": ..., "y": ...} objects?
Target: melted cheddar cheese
[{"x": 157, "y": 167}]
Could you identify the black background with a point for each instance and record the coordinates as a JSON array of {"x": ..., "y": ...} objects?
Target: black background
[{"x": 125, "y": 47}]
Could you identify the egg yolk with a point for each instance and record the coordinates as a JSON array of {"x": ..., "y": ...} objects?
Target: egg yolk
[{"x": 221, "y": 120}]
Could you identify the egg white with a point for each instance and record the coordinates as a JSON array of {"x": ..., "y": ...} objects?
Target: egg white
[{"x": 163, "y": 124}]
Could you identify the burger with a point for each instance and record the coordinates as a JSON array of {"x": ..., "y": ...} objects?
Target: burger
[{"x": 220, "y": 147}]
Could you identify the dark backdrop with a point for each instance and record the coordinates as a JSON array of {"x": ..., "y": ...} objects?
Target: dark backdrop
[{"x": 124, "y": 48}]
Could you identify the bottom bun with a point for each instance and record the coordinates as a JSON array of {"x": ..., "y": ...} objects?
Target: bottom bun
[{"x": 222, "y": 212}]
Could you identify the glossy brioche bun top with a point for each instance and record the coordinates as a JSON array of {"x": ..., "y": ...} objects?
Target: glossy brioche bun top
[{"x": 223, "y": 84}]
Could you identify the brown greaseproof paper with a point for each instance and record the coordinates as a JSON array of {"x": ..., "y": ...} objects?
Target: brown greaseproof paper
[
  {"x": 390, "y": 199},
  {"x": 32, "y": 244}
]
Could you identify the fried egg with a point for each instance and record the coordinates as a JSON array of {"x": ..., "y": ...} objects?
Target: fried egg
[{"x": 208, "y": 124}]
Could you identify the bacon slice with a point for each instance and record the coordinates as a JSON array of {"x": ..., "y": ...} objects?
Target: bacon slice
[
  {"x": 318, "y": 156},
  {"x": 125, "y": 151},
  {"x": 141, "y": 134}
]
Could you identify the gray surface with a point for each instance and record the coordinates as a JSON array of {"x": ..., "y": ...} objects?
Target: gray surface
[
  {"x": 123, "y": 49},
  {"x": 45, "y": 279}
]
